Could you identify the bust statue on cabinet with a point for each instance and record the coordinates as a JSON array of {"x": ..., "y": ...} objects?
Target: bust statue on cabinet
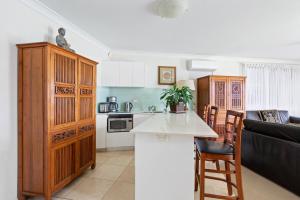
[{"x": 61, "y": 41}]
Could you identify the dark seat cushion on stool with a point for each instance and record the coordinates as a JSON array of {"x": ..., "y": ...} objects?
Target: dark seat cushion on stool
[{"x": 206, "y": 146}]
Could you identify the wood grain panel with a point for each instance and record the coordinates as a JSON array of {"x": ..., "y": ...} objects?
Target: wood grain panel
[
  {"x": 33, "y": 120},
  {"x": 64, "y": 110},
  {"x": 64, "y": 69},
  {"x": 86, "y": 74},
  {"x": 86, "y": 151},
  {"x": 64, "y": 163},
  {"x": 86, "y": 108}
]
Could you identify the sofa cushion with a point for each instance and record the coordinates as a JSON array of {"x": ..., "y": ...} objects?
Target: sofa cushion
[
  {"x": 254, "y": 115},
  {"x": 270, "y": 116},
  {"x": 282, "y": 131},
  {"x": 284, "y": 116}
]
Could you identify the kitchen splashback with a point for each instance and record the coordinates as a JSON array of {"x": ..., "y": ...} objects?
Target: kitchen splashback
[{"x": 140, "y": 97}]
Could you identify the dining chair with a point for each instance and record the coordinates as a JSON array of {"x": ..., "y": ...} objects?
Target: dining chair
[{"x": 229, "y": 151}]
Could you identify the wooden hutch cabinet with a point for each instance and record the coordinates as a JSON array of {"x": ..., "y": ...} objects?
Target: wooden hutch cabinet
[
  {"x": 56, "y": 118},
  {"x": 225, "y": 92}
]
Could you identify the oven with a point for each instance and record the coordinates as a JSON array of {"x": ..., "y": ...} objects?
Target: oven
[{"x": 119, "y": 123}]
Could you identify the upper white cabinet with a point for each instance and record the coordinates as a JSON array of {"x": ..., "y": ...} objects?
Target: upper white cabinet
[
  {"x": 109, "y": 74},
  {"x": 121, "y": 74},
  {"x": 139, "y": 74}
]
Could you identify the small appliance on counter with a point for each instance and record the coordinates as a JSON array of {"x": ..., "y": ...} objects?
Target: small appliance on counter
[
  {"x": 103, "y": 107},
  {"x": 113, "y": 105},
  {"x": 119, "y": 123},
  {"x": 128, "y": 106}
]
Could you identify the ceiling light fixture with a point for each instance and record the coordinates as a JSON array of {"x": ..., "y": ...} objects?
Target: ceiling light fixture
[{"x": 172, "y": 8}]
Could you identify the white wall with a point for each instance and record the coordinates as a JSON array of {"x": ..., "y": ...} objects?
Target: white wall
[{"x": 21, "y": 24}]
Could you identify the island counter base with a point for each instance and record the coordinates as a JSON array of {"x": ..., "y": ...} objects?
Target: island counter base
[{"x": 164, "y": 167}]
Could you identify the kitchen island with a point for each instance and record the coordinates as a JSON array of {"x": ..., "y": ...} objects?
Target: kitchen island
[{"x": 164, "y": 155}]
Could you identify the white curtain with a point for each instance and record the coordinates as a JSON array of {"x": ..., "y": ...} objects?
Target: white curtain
[{"x": 273, "y": 86}]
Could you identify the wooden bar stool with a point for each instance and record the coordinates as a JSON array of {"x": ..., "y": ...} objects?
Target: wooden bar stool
[
  {"x": 229, "y": 152},
  {"x": 205, "y": 113},
  {"x": 212, "y": 118}
]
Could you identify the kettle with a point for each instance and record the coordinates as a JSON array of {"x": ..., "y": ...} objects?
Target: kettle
[{"x": 128, "y": 106}]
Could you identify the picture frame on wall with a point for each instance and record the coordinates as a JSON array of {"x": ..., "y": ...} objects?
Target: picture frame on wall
[{"x": 166, "y": 75}]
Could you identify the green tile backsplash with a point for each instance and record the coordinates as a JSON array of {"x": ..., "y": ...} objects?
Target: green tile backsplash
[{"x": 140, "y": 97}]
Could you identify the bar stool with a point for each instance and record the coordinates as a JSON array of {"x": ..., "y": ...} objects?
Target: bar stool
[
  {"x": 229, "y": 151},
  {"x": 205, "y": 113},
  {"x": 212, "y": 118}
]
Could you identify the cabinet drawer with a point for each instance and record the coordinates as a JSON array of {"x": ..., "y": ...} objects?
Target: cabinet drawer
[
  {"x": 63, "y": 136},
  {"x": 85, "y": 129}
]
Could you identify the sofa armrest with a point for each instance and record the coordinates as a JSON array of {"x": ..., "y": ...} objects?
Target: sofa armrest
[{"x": 295, "y": 120}]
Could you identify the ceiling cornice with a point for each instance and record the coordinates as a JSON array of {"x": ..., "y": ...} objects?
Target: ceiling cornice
[
  {"x": 205, "y": 57},
  {"x": 60, "y": 20}
]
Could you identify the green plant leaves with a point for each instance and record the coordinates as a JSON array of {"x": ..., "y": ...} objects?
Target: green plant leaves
[{"x": 175, "y": 95}]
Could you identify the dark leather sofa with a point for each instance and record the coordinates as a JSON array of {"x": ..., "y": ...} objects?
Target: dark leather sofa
[{"x": 273, "y": 149}]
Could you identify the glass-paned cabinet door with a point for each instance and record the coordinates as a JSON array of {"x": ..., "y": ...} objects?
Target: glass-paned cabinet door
[
  {"x": 219, "y": 92},
  {"x": 236, "y": 94}
]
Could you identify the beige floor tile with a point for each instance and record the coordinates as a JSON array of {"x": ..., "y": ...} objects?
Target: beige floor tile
[
  {"x": 113, "y": 179},
  {"x": 258, "y": 187},
  {"x": 65, "y": 191},
  {"x": 128, "y": 175},
  {"x": 90, "y": 189},
  {"x": 101, "y": 158},
  {"x": 120, "y": 191},
  {"x": 126, "y": 153},
  {"x": 123, "y": 160},
  {"x": 108, "y": 172}
]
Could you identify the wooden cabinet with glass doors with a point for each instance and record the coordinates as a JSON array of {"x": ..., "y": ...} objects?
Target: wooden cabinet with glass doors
[{"x": 225, "y": 92}]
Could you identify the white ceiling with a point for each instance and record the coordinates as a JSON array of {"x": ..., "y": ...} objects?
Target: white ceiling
[{"x": 247, "y": 28}]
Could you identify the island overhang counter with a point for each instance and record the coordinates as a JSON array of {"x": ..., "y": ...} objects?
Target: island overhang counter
[{"x": 164, "y": 155}]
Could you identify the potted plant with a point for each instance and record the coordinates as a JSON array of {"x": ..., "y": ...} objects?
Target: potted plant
[{"x": 177, "y": 98}]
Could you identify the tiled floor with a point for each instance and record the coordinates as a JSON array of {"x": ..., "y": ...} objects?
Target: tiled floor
[{"x": 113, "y": 179}]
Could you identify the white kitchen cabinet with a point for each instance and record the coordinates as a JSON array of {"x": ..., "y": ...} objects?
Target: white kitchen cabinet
[
  {"x": 126, "y": 75},
  {"x": 119, "y": 140},
  {"x": 138, "y": 71},
  {"x": 109, "y": 73},
  {"x": 101, "y": 131},
  {"x": 122, "y": 74}
]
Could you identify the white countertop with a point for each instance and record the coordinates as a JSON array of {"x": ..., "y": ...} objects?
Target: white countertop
[{"x": 169, "y": 123}]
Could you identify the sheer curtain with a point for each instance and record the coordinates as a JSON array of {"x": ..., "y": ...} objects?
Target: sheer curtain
[{"x": 273, "y": 86}]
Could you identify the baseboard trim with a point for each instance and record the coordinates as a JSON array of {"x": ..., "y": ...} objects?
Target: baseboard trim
[{"x": 115, "y": 149}]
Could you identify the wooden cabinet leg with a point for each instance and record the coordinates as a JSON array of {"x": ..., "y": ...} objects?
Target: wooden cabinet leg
[
  {"x": 22, "y": 197},
  {"x": 48, "y": 197},
  {"x": 93, "y": 166}
]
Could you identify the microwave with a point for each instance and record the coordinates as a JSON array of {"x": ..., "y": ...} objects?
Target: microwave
[{"x": 119, "y": 123}]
